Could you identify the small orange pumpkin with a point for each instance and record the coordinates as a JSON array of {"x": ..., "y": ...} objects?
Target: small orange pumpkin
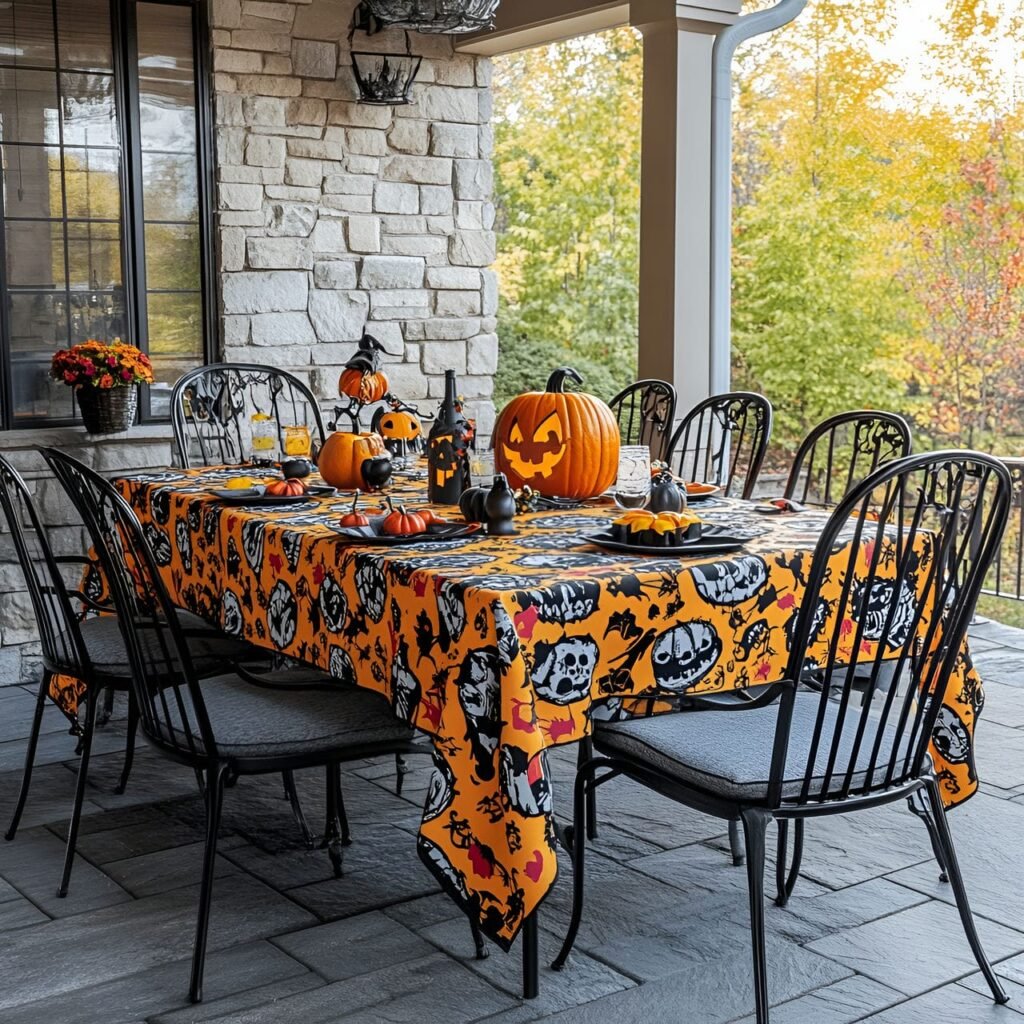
[
  {"x": 365, "y": 387},
  {"x": 557, "y": 442},
  {"x": 353, "y": 517},
  {"x": 342, "y": 456},
  {"x": 290, "y": 488},
  {"x": 403, "y": 523}
]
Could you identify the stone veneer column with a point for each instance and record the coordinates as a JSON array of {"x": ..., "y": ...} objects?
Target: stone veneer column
[{"x": 336, "y": 217}]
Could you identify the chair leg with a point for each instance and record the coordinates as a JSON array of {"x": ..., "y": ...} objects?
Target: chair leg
[
  {"x": 30, "y": 756},
  {"x": 401, "y": 770},
  {"x": 482, "y": 952},
  {"x": 736, "y": 844},
  {"x": 581, "y": 794},
  {"x": 786, "y": 883},
  {"x": 216, "y": 778},
  {"x": 91, "y": 709},
  {"x": 531, "y": 957},
  {"x": 956, "y": 880},
  {"x": 586, "y": 752},
  {"x": 129, "y": 751},
  {"x": 108, "y": 707},
  {"x": 336, "y": 832},
  {"x": 292, "y": 795},
  {"x": 919, "y": 805},
  {"x": 755, "y": 827}
]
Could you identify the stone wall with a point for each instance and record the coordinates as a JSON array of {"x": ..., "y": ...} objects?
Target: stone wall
[
  {"x": 336, "y": 217},
  {"x": 333, "y": 218}
]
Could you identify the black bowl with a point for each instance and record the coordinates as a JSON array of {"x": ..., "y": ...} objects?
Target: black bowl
[{"x": 296, "y": 469}]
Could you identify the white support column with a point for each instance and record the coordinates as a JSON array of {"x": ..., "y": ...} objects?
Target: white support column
[{"x": 675, "y": 243}]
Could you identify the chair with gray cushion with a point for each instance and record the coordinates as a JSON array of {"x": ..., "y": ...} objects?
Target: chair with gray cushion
[
  {"x": 893, "y": 582},
  {"x": 230, "y": 727},
  {"x": 87, "y": 655}
]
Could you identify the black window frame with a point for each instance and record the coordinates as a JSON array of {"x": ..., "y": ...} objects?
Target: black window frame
[{"x": 124, "y": 34}]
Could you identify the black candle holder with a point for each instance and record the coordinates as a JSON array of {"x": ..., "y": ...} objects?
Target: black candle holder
[{"x": 385, "y": 79}]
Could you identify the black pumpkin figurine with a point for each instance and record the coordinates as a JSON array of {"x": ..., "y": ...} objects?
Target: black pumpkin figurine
[
  {"x": 500, "y": 508},
  {"x": 666, "y": 494},
  {"x": 377, "y": 472},
  {"x": 472, "y": 504},
  {"x": 296, "y": 469}
]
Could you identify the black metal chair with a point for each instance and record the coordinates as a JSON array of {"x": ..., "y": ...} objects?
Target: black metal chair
[
  {"x": 89, "y": 650},
  {"x": 843, "y": 450},
  {"x": 902, "y": 558},
  {"x": 227, "y": 728},
  {"x": 212, "y": 406},
  {"x": 646, "y": 412},
  {"x": 723, "y": 441}
]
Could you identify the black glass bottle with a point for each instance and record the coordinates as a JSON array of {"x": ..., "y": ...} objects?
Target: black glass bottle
[{"x": 448, "y": 449}]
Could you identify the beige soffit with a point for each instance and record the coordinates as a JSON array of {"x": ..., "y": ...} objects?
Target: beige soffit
[{"x": 525, "y": 23}]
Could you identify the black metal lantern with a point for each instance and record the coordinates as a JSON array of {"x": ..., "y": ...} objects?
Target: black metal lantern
[
  {"x": 440, "y": 16},
  {"x": 385, "y": 79}
]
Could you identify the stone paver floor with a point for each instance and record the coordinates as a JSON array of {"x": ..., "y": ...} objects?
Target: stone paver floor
[{"x": 871, "y": 934}]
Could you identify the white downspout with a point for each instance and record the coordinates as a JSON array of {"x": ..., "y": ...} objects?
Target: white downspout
[{"x": 726, "y": 45}]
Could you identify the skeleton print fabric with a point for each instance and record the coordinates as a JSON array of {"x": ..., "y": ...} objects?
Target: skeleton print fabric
[{"x": 500, "y": 648}]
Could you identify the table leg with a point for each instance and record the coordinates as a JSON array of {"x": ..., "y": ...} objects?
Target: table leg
[{"x": 531, "y": 958}]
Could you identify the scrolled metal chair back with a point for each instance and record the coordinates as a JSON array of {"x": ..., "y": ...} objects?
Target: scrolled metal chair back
[
  {"x": 212, "y": 409},
  {"x": 645, "y": 412},
  {"x": 60, "y": 637},
  {"x": 171, "y": 709},
  {"x": 723, "y": 441},
  {"x": 843, "y": 450},
  {"x": 1006, "y": 576},
  {"x": 893, "y": 584}
]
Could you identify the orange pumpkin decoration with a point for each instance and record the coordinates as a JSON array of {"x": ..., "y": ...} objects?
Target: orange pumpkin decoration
[
  {"x": 365, "y": 387},
  {"x": 342, "y": 456},
  {"x": 403, "y": 523},
  {"x": 290, "y": 488},
  {"x": 354, "y": 517},
  {"x": 557, "y": 442}
]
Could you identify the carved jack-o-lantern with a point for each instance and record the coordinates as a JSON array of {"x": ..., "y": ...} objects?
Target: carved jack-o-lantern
[
  {"x": 445, "y": 460},
  {"x": 400, "y": 427},
  {"x": 557, "y": 442}
]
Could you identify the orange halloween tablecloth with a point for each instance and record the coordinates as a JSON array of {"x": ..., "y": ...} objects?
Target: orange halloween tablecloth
[{"x": 501, "y": 648}]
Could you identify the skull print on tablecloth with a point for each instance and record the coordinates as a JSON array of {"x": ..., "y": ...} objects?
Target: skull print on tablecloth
[{"x": 563, "y": 672}]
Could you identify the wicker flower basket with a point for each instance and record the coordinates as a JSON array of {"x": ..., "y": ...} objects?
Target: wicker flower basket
[{"x": 107, "y": 410}]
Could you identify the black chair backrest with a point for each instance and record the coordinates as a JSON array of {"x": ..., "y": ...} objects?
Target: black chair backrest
[
  {"x": 1006, "y": 577},
  {"x": 164, "y": 683},
  {"x": 60, "y": 637},
  {"x": 723, "y": 441},
  {"x": 645, "y": 412},
  {"x": 211, "y": 410},
  {"x": 843, "y": 450},
  {"x": 893, "y": 584}
]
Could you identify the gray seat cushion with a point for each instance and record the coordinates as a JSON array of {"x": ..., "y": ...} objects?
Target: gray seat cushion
[
  {"x": 257, "y": 721},
  {"x": 729, "y": 753},
  {"x": 211, "y": 649}
]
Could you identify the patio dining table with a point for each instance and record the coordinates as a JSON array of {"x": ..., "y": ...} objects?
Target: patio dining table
[{"x": 502, "y": 648}]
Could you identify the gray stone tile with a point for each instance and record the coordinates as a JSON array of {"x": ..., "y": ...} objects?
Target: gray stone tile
[
  {"x": 917, "y": 949},
  {"x": 154, "y": 778},
  {"x": 1014, "y": 989},
  {"x": 421, "y": 913},
  {"x": 245, "y": 999},
  {"x": 410, "y": 992},
  {"x": 356, "y": 945},
  {"x": 16, "y": 719},
  {"x": 845, "y": 1001},
  {"x": 1001, "y": 667},
  {"x": 987, "y": 833},
  {"x": 587, "y": 980},
  {"x": 33, "y": 862},
  {"x": 136, "y": 839},
  {"x": 119, "y": 941},
  {"x": 164, "y": 989},
  {"x": 50, "y": 797},
  {"x": 1004, "y": 704},
  {"x": 996, "y": 632},
  {"x": 164, "y": 870},
  {"x": 949, "y": 1003},
  {"x": 19, "y": 913},
  {"x": 56, "y": 747},
  {"x": 1000, "y": 754}
]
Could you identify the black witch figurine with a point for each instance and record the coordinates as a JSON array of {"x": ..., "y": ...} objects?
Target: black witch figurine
[{"x": 362, "y": 382}]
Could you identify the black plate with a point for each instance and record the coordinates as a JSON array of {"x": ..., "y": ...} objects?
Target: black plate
[
  {"x": 435, "y": 532},
  {"x": 712, "y": 542},
  {"x": 257, "y": 499}
]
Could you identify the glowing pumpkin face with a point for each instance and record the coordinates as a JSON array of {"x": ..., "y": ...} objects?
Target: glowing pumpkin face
[
  {"x": 400, "y": 426},
  {"x": 537, "y": 455},
  {"x": 557, "y": 442}
]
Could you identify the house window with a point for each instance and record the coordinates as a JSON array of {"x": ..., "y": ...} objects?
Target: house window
[{"x": 104, "y": 226}]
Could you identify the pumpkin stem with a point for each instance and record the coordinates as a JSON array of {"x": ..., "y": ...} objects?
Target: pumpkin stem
[
  {"x": 355, "y": 500},
  {"x": 556, "y": 382}
]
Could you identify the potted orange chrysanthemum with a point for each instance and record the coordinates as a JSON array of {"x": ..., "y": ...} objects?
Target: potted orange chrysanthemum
[{"x": 105, "y": 379}]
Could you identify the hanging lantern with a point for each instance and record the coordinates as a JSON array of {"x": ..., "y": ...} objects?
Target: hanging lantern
[
  {"x": 439, "y": 16},
  {"x": 385, "y": 79}
]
